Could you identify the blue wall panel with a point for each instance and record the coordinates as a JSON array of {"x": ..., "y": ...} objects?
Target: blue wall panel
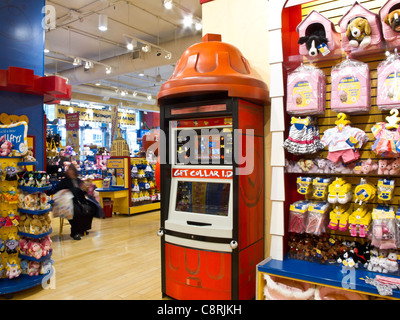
[{"x": 22, "y": 45}]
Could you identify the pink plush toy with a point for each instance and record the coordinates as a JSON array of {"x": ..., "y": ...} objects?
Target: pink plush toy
[
  {"x": 46, "y": 245},
  {"x": 368, "y": 166},
  {"x": 5, "y": 148},
  {"x": 383, "y": 167},
  {"x": 395, "y": 167},
  {"x": 33, "y": 268},
  {"x": 23, "y": 246},
  {"x": 322, "y": 165},
  {"x": 35, "y": 250}
]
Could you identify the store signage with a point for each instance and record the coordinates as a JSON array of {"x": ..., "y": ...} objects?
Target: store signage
[
  {"x": 95, "y": 115},
  {"x": 72, "y": 121},
  {"x": 115, "y": 163},
  {"x": 17, "y": 134},
  {"x": 203, "y": 173}
]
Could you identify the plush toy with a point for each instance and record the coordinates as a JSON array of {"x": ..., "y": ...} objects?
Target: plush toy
[
  {"x": 23, "y": 246},
  {"x": 359, "y": 33},
  {"x": 35, "y": 250},
  {"x": 5, "y": 148},
  {"x": 393, "y": 20},
  {"x": 12, "y": 244},
  {"x": 33, "y": 268},
  {"x": 24, "y": 266},
  {"x": 36, "y": 225},
  {"x": 13, "y": 269},
  {"x": 340, "y": 168},
  {"x": 368, "y": 166},
  {"x": 391, "y": 262},
  {"x": 28, "y": 155},
  {"x": 383, "y": 167},
  {"x": 46, "y": 266},
  {"x": 314, "y": 40},
  {"x": 322, "y": 166},
  {"x": 45, "y": 243},
  {"x": 395, "y": 167},
  {"x": 305, "y": 165}
]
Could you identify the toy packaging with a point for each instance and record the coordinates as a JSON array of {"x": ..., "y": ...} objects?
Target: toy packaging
[
  {"x": 388, "y": 87},
  {"x": 298, "y": 216},
  {"x": 351, "y": 87},
  {"x": 387, "y": 136},
  {"x": 303, "y": 137},
  {"x": 359, "y": 222},
  {"x": 364, "y": 192},
  {"x": 306, "y": 89},
  {"x": 384, "y": 227},
  {"x": 340, "y": 192},
  {"x": 317, "y": 218},
  {"x": 389, "y": 16}
]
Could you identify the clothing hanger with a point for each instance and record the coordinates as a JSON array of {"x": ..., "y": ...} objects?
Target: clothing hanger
[
  {"x": 393, "y": 120},
  {"x": 306, "y": 121},
  {"x": 342, "y": 121}
]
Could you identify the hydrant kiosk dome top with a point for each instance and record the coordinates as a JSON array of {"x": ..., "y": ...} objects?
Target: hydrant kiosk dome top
[{"x": 214, "y": 66}]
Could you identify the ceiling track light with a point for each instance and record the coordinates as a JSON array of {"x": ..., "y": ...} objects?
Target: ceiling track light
[
  {"x": 168, "y": 56},
  {"x": 46, "y": 50},
  {"x": 187, "y": 21},
  {"x": 108, "y": 70},
  {"x": 198, "y": 26},
  {"x": 168, "y": 4},
  {"x": 146, "y": 48},
  {"x": 103, "y": 22},
  {"x": 77, "y": 62},
  {"x": 149, "y": 97}
]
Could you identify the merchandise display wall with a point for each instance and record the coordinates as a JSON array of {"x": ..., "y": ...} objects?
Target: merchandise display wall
[
  {"x": 287, "y": 259},
  {"x": 24, "y": 50}
]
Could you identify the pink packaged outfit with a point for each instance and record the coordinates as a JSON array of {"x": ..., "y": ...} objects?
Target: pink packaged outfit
[
  {"x": 351, "y": 87},
  {"x": 390, "y": 27},
  {"x": 318, "y": 37},
  {"x": 388, "y": 87},
  {"x": 360, "y": 38},
  {"x": 306, "y": 91}
]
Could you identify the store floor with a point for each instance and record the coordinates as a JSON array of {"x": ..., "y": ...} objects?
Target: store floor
[{"x": 119, "y": 259}]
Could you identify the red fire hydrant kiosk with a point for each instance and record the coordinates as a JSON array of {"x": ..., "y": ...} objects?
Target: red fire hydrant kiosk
[{"x": 212, "y": 174}]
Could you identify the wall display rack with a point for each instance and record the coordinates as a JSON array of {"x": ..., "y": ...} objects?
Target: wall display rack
[{"x": 363, "y": 177}]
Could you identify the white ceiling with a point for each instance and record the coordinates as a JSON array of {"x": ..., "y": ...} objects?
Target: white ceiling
[{"x": 77, "y": 35}]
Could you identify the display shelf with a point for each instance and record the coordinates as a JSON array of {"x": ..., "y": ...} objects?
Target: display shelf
[
  {"x": 24, "y": 257},
  {"x": 35, "y": 236},
  {"x": 23, "y": 282},
  {"x": 38, "y": 212},
  {"x": 354, "y": 175},
  {"x": 27, "y": 163},
  {"x": 321, "y": 274},
  {"x": 144, "y": 208},
  {"x": 34, "y": 189}
]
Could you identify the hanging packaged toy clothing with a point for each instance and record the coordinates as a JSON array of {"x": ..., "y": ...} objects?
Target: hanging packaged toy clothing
[
  {"x": 388, "y": 87},
  {"x": 340, "y": 191},
  {"x": 359, "y": 222},
  {"x": 317, "y": 218},
  {"x": 351, "y": 88},
  {"x": 364, "y": 191},
  {"x": 304, "y": 185},
  {"x": 320, "y": 187},
  {"x": 303, "y": 137},
  {"x": 339, "y": 218},
  {"x": 385, "y": 189},
  {"x": 343, "y": 141},
  {"x": 384, "y": 235},
  {"x": 306, "y": 90},
  {"x": 298, "y": 216},
  {"x": 387, "y": 136}
]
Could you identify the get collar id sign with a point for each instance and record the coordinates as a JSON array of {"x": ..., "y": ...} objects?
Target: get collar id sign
[{"x": 203, "y": 173}]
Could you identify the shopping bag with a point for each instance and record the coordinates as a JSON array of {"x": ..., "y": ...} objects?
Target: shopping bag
[{"x": 63, "y": 204}]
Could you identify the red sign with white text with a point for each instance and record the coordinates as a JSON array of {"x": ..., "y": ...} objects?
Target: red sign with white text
[
  {"x": 203, "y": 173},
  {"x": 72, "y": 121}
]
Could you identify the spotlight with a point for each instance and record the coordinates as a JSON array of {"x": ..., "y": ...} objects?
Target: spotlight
[
  {"x": 168, "y": 4},
  {"x": 146, "y": 48},
  {"x": 98, "y": 83},
  {"x": 187, "y": 21},
  {"x": 129, "y": 46},
  {"x": 198, "y": 26},
  {"x": 123, "y": 93},
  {"x": 148, "y": 97},
  {"x": 168, "y": 55},
  {"x": 46, "y": 50},
  {"x": 77, "y": 62},
  {"x": 103, "y": 22},
  {"x": 108, "y": 70},
  {"x": 88, "y": 65},
  {"x": 141, "y": 74},
  {"x": 134, "y": 93}
]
